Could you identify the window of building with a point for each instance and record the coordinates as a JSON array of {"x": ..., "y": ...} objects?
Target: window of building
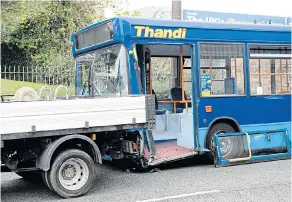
[
  {"x": 270, "y": 69},
  {"x": 222, "y": 69}
]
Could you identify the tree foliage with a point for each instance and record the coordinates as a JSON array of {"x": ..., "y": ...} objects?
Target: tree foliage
[{"x": 38, "y": 32}]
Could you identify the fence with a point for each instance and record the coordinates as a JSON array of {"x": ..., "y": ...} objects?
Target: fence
[{"x": 15, "y": 77}]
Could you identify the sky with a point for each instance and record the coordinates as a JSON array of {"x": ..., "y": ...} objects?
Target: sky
[{"x": 255, "y": 7}]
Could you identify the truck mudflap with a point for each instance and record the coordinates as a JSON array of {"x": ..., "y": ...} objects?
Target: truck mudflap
[{"x": 253, "y": 146}]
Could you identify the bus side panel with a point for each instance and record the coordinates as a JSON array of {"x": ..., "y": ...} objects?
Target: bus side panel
[{"x": 251, "y": 113}]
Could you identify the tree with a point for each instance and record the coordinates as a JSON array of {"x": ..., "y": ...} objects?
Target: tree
[{"x": 38, "y": 32}]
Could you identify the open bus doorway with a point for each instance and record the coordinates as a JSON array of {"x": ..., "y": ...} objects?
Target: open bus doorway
[{"x": 174, "y": 135}]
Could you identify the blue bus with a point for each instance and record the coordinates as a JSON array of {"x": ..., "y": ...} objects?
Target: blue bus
[{"x": 208, "y": 79}]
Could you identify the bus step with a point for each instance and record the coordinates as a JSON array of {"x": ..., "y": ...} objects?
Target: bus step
[
  {"x": 253, "y": 146},
  {"x": 171, "y": 159}
]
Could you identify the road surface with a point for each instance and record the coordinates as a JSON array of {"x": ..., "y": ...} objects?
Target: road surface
[{"x": 266, "y": 181}]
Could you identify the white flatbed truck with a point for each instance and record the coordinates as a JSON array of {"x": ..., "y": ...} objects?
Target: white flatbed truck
[{"x": 60, "y": 141}]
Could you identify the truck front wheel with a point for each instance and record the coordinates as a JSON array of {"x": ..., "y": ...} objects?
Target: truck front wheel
[{"x": 72, "y": 173}]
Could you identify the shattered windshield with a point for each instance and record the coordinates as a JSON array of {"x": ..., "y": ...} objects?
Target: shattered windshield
[{"x": 105, "y": 71}]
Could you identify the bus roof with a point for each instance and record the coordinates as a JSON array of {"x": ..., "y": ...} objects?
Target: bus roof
[
  {"x": 203, "y": 25},
  {"x": 198, "y": 31}
]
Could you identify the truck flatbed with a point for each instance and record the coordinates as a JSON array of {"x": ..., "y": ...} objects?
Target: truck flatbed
[{"x": 62, "y": 117}]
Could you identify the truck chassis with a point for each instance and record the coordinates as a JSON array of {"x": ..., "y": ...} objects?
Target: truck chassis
[{"x": 65, "y": 158}]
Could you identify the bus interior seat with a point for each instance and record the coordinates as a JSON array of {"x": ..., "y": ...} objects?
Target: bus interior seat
[
  {"x": 158, "y": 111},
  {"x": 230, "y": 86},
  {"x": 176, "y": 94}
]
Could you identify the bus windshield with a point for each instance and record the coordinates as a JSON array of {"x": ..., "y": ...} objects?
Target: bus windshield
[{"x": 104, "y": 71}]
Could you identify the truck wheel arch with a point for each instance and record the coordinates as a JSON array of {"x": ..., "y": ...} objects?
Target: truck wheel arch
[
  {"x": 43, "y": 160},
  {"x": 229, "y": 120}
]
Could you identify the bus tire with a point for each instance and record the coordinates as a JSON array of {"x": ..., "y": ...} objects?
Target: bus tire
[
  {"x": 72, "y": 173},
  {"x": 233, "y": 146}
]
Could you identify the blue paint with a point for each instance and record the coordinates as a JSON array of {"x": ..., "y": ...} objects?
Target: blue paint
[
  {"x": 132, "y": 77},
  {"x": 279, "y": 138},
  {"x": 133, "y": 130},
  {"x": 253, "y": 127},
  {"x": 216, "y": 34},
  {"x": 107, "y": 157},
  {"x": 124, "y": 32},
  {"x": 195, "y": 92},
  {"x": 273, "y": 126},
  {"x": 261, "y": 112},
  {"x": 246, "y": 110},
  {"x": 256, "y": 158},
  {"x": 264, "y": 141},
  {"x": 208, "y": 16},
  {"x": 197, "y": 80},
  {"x": 247, "y": 79}
]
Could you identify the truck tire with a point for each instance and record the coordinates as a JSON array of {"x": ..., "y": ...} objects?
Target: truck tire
[
  {"x": 72, "y": 173},
  {"x": 231, "y": 147},
  {"x": 30, "y": 176},
  {"x": 45, "y": 180}
]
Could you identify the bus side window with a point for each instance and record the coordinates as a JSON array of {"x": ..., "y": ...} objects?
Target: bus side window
[
  {"x": 222, "y": 69},
  {"x": 270, "y": 69}
]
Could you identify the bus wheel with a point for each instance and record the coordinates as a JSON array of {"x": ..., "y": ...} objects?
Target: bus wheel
[
  {"x": 231, "y": 147},
  {"x": 72, "y": 173}
]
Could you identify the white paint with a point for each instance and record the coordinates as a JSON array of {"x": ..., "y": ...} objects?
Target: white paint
[
  {"x": 270, "y": 55},
  {"x": 181, "y": 196},
  {"x": 260, "y": 90},
  {"x": 19, "y": 117}
]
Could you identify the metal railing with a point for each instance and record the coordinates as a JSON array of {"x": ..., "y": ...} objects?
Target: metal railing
[{"x": 48, "y": 82}]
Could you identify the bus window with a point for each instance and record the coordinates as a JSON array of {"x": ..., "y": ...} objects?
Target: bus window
[
  {"x": 218, "y": 76},
  {"x": 270, "y": 69},
  {"x": 187, "y": 76},
  {"x": 107, "y": 71},
  {"x": 220, "y": 62},
  {"x": 85, "y": 89},
  {"x": 161, "y": 76}
]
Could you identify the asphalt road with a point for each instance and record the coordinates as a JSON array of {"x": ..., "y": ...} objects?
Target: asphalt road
[{"x": 266, "y": 181}]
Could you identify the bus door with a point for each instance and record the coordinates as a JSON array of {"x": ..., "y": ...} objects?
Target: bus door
[
  {"x": 178, "y": 140},
  {"x": 147, "y": 71},
  {"x": 144, "y": 63}
]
